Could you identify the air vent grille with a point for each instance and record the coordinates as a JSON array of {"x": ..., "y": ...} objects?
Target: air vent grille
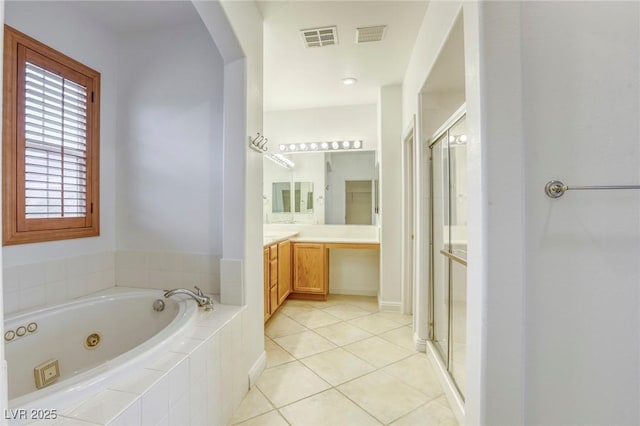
[
  {"x": 318, "y": 37},
  {"x": 369, "y": 34}
]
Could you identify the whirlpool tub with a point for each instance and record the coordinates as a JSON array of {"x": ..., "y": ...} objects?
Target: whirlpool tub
[{"x": 89, "y": 342}]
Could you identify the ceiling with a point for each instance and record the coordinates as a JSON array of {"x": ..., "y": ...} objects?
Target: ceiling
[
  {"x": 297, "y": 77},
  {"x": 141, "y": 15}
]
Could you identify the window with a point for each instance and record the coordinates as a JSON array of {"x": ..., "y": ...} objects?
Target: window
[{"x": 50, "y": 144}]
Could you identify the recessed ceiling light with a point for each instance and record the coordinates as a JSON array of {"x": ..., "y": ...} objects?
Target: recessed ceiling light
[{"x": 349, "y": 81}]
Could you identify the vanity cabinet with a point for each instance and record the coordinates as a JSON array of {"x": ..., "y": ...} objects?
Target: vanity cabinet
[
  {"x": 267, "y": 286},
  {"x": 310, "y": 271},
  {"x": 277, "y": 276},
  {"x": 284, "y": 271},
  {"x": 273, "y": 278}
]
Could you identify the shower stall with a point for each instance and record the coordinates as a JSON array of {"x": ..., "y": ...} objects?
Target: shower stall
[{"x": 448, "y": 245}]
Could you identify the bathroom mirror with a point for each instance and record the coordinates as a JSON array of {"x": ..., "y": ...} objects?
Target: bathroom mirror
[
  {"x": 281, "y": 196},
  {"x": 319, "y": 183},
  {"x": 303, "y": 197}
]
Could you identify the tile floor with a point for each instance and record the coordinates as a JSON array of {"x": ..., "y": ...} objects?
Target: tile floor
[{"x": 342, "y": 362}]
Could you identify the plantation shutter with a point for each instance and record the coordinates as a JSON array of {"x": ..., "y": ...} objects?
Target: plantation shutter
[
  {"x": 55, "y": 145},
  {"x": 50, "y": 144}
]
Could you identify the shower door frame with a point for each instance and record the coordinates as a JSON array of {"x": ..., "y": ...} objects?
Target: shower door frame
[{"x": 443, "y": 129}]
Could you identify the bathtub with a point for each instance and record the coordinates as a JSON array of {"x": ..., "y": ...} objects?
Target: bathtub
[{"x": 95, "y": 339}]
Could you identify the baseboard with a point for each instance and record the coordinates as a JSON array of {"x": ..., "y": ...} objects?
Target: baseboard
[
  {"x": 354, "y": 292},
  {"x": 257, "y": 368},
  {"x": 451, "y": 392},
  {"x": 390, "y": 306},
  {"x": 419, "y": 343}
]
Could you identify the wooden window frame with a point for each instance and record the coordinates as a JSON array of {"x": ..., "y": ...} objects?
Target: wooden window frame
[{"x": 17, "y": 229}]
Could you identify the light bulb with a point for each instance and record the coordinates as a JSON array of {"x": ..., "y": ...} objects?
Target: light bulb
[
  {"x": 357, "y": 144},
  {"x": 314, "y": 146},
  {"x": 345, "y": 144},
  {"x": 463, "y": 138},
  {"x": 283, "y": 147},
  {"x": 303, "y": 147},
  {"x": 292, "y": 147},
  {"x": 335, "y": 145},
  {"x": 324, "y": 145}
]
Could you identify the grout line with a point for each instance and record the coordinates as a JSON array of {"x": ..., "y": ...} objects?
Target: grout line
[{"x": 411, "y": 353}]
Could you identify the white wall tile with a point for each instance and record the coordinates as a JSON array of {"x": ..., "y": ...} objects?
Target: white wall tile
[
  {"x": 179, "y": 412},
  {"x": 103, "y": 407},
  {"x": 155, "y": 402},
  {"x": 198, "y": 364},
  {"x": 11, "y": 301},
  {"x": 167, "y": 361},
  {"x": 130, "y": 416},
  {"x": 55, "y": 292},
  {"x": 198, "y": 403},
  {"x": 32, "y": 297},
  {"x": 226, "y": 380},
  {"x": 131, "y": 278},
  {"x": 231, "y": 282},
  {"x": 11, "y": 279},
  {"x": 165, "y": 261},
  {"x": 179, "y": 381},
  {"x": 214, "y": 380},
  {"x": 163, "y": 279},
  {"x": 195, "y": 263},
  {"x": 76, "y": 266},
  {"x": 76, "y": 286},
  {"x": 55, "y": 270},
  {"x": 32, "y": 275}
]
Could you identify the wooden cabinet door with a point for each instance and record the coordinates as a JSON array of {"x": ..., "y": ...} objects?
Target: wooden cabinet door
[
  {"x": 267, "y": 286},
  {"x": 284, "y": 271},
  {"x": 310, "y": 269}
]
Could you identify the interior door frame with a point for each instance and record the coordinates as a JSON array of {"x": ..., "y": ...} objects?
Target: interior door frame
[{"x": 409, "y": 217}]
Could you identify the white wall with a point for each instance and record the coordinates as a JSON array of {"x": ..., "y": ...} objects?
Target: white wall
[
  {"x": 3, "y": 364},
  {"x": 390, "y": 113},
  {"x": 170, "y": 142},
  {"x": 241, "y": 268},
  {"x": 437, "y": 24},
  {"x": 43, "y": 21},
  {"x": 552, "y": 315},
  {"x": 169, "y": 210},
  {"x": 580, "y": 124},
  {"x": 322, "y": 124}
]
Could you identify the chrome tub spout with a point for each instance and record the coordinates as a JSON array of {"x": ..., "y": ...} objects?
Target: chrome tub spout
[{"x": 203, "y": 300}]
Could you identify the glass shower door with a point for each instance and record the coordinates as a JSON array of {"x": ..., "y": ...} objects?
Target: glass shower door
[
  {"x": 440, "y": 235},
  {"x": 448, "y": 286}
]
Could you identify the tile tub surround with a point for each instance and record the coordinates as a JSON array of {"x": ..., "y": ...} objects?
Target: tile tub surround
[
  {"x": 164, "y": 270},
  {"x": 199, "y": 380},
  {"x": 47, "y": 283},
  {"x": 343, "y": 362}
]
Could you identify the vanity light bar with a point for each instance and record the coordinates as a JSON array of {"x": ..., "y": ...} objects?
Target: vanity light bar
[
  {"x": 321, "y": 146},
  {"x": 280, "y": 160}
]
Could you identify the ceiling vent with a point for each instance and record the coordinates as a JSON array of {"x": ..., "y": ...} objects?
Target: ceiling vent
[
  {"x": 317, "y": 37},
  {"x": 369, "y": 34}
]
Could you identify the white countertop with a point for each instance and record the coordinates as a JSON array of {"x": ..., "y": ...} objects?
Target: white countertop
[
  {"x": 329, "y": 239},
  {"x": 330, "y": 234},
  {"x": 270, "y": 239}
]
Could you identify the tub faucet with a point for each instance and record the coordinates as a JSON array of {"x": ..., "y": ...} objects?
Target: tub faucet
[{"x": 203, "y": 300}]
